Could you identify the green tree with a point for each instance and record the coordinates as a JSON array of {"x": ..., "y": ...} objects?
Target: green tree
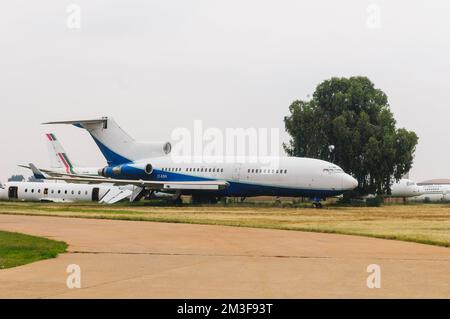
[{"x": 355, "y": 117}]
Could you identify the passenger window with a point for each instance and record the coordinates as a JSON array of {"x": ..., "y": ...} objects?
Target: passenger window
[
  {"x": 39, "y": 191},
  {"x": 285, "y": 171},
  {"x": 79, "y": 192},
  {"x": 59, "y": 191},
  {"x": 32, "y": 190},
  {"x": 26, "y": 190},
  {"x": 221, "y": 170},
  {"x": 65, "y": 192}
]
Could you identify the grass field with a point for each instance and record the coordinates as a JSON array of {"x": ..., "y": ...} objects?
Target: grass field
[
  {"x": 422, "y": 223},
  {"x": 20, "y": 249}
]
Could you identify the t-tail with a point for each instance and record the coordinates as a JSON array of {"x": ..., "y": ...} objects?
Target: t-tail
[
  {"x": 115, "y": 144},
  {"x": 58, "y": 156}
]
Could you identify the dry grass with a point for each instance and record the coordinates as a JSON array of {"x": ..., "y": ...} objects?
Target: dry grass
[{"x": 428, "y": 224}]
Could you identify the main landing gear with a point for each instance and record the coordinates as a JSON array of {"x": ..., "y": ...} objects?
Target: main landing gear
[
  {"x": 316, "y": 202},
  {"x": 317, "y": 205}
]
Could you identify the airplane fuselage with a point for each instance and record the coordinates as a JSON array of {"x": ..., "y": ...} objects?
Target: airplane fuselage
[
  {"x": 292, "y": 176},
  {"x": 52, "y": 192}
]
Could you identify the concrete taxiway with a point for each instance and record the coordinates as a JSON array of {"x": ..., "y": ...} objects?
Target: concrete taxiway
[{"x": 161, "y": 260}]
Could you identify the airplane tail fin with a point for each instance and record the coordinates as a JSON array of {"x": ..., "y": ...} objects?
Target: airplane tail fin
[
  {"x": 57, "y": 154},
  {"x": 115, "y": 144}
]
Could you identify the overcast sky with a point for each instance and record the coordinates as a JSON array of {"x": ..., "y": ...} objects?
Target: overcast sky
[{"x": 157, "y": 65}]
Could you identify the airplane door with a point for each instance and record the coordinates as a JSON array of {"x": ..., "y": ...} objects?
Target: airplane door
[
  {"x": 95, "y": 194},
  {"x": 13, "y": 192},
  {"x": 236, "y": 172}
]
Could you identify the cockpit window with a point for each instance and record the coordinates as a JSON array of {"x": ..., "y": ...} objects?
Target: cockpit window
[{"x": 333, "y": 170}]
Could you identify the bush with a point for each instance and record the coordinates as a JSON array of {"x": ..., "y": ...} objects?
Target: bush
[{"x": 374, "y": 201}]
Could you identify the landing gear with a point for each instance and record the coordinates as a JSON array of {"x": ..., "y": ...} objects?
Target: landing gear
[
  {"x": 178, "y": 201},
  {"x": 317, "y": 205},
  {"x": 203, "y": 199},
  {"x": 316, "y": 202}
]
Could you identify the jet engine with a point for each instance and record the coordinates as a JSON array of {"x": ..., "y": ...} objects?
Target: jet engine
[{"x": 133, "y": 171}]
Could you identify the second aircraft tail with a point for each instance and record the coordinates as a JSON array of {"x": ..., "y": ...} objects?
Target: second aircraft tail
[{"x": 57, "y": 154}]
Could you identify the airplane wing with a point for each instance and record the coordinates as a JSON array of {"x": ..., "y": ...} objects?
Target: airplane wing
[
  {"x": 49, "y": 173},
  {"x": 152, "y": 185}
]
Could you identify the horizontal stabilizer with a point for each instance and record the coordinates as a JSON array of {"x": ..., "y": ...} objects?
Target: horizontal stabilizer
[{"x": 102, "y": 121}]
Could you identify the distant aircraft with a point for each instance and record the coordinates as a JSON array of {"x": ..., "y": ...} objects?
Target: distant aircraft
[
  {"x": 405, "y": 188},
  {"x": 62, "y": 192},
  {"x": 433, "y": 193},
  {"x": 149, "y": 166}
]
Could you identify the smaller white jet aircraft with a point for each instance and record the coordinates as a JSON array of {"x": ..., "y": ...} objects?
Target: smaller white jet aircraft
[{"x": 62, "y": 192}]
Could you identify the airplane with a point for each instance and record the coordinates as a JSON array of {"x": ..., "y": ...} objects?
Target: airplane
[
  {"x": 433, "y": 193},
  {"x": 62, "y": 192},
  {"x": 150, "y": 167},
  {"x": 405, "y": 188}
]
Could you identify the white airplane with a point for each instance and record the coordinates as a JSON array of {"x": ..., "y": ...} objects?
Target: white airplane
[
  {"x": 150, "y": 166},
  {"x": 405, "y": 188},
  {"x": 62, "y": 192},
  {"x": 434, "y": 193}
]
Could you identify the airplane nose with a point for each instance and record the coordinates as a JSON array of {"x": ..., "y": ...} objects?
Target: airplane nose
[{"x": 348, "y": 182}]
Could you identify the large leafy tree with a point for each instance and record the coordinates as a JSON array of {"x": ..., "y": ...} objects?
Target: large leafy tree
[{"x": 355, "y": 117}]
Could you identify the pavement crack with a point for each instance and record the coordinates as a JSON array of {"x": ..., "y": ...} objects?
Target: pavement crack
[
  {"x": 251, "y": 256},
  {"x": 194, "y": 254}
]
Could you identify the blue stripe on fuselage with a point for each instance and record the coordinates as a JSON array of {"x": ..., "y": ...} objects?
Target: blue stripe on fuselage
[{"x": 236, "y": 188}]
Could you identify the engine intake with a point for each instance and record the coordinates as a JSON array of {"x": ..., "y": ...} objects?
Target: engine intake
[{"x": 148, "y": 169}]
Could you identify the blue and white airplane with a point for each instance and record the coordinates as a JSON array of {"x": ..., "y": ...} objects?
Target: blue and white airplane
[{"x": 150, "y": 166}]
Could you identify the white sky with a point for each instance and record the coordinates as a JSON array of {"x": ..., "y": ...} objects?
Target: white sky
[{"x": 158, "y": 65}]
